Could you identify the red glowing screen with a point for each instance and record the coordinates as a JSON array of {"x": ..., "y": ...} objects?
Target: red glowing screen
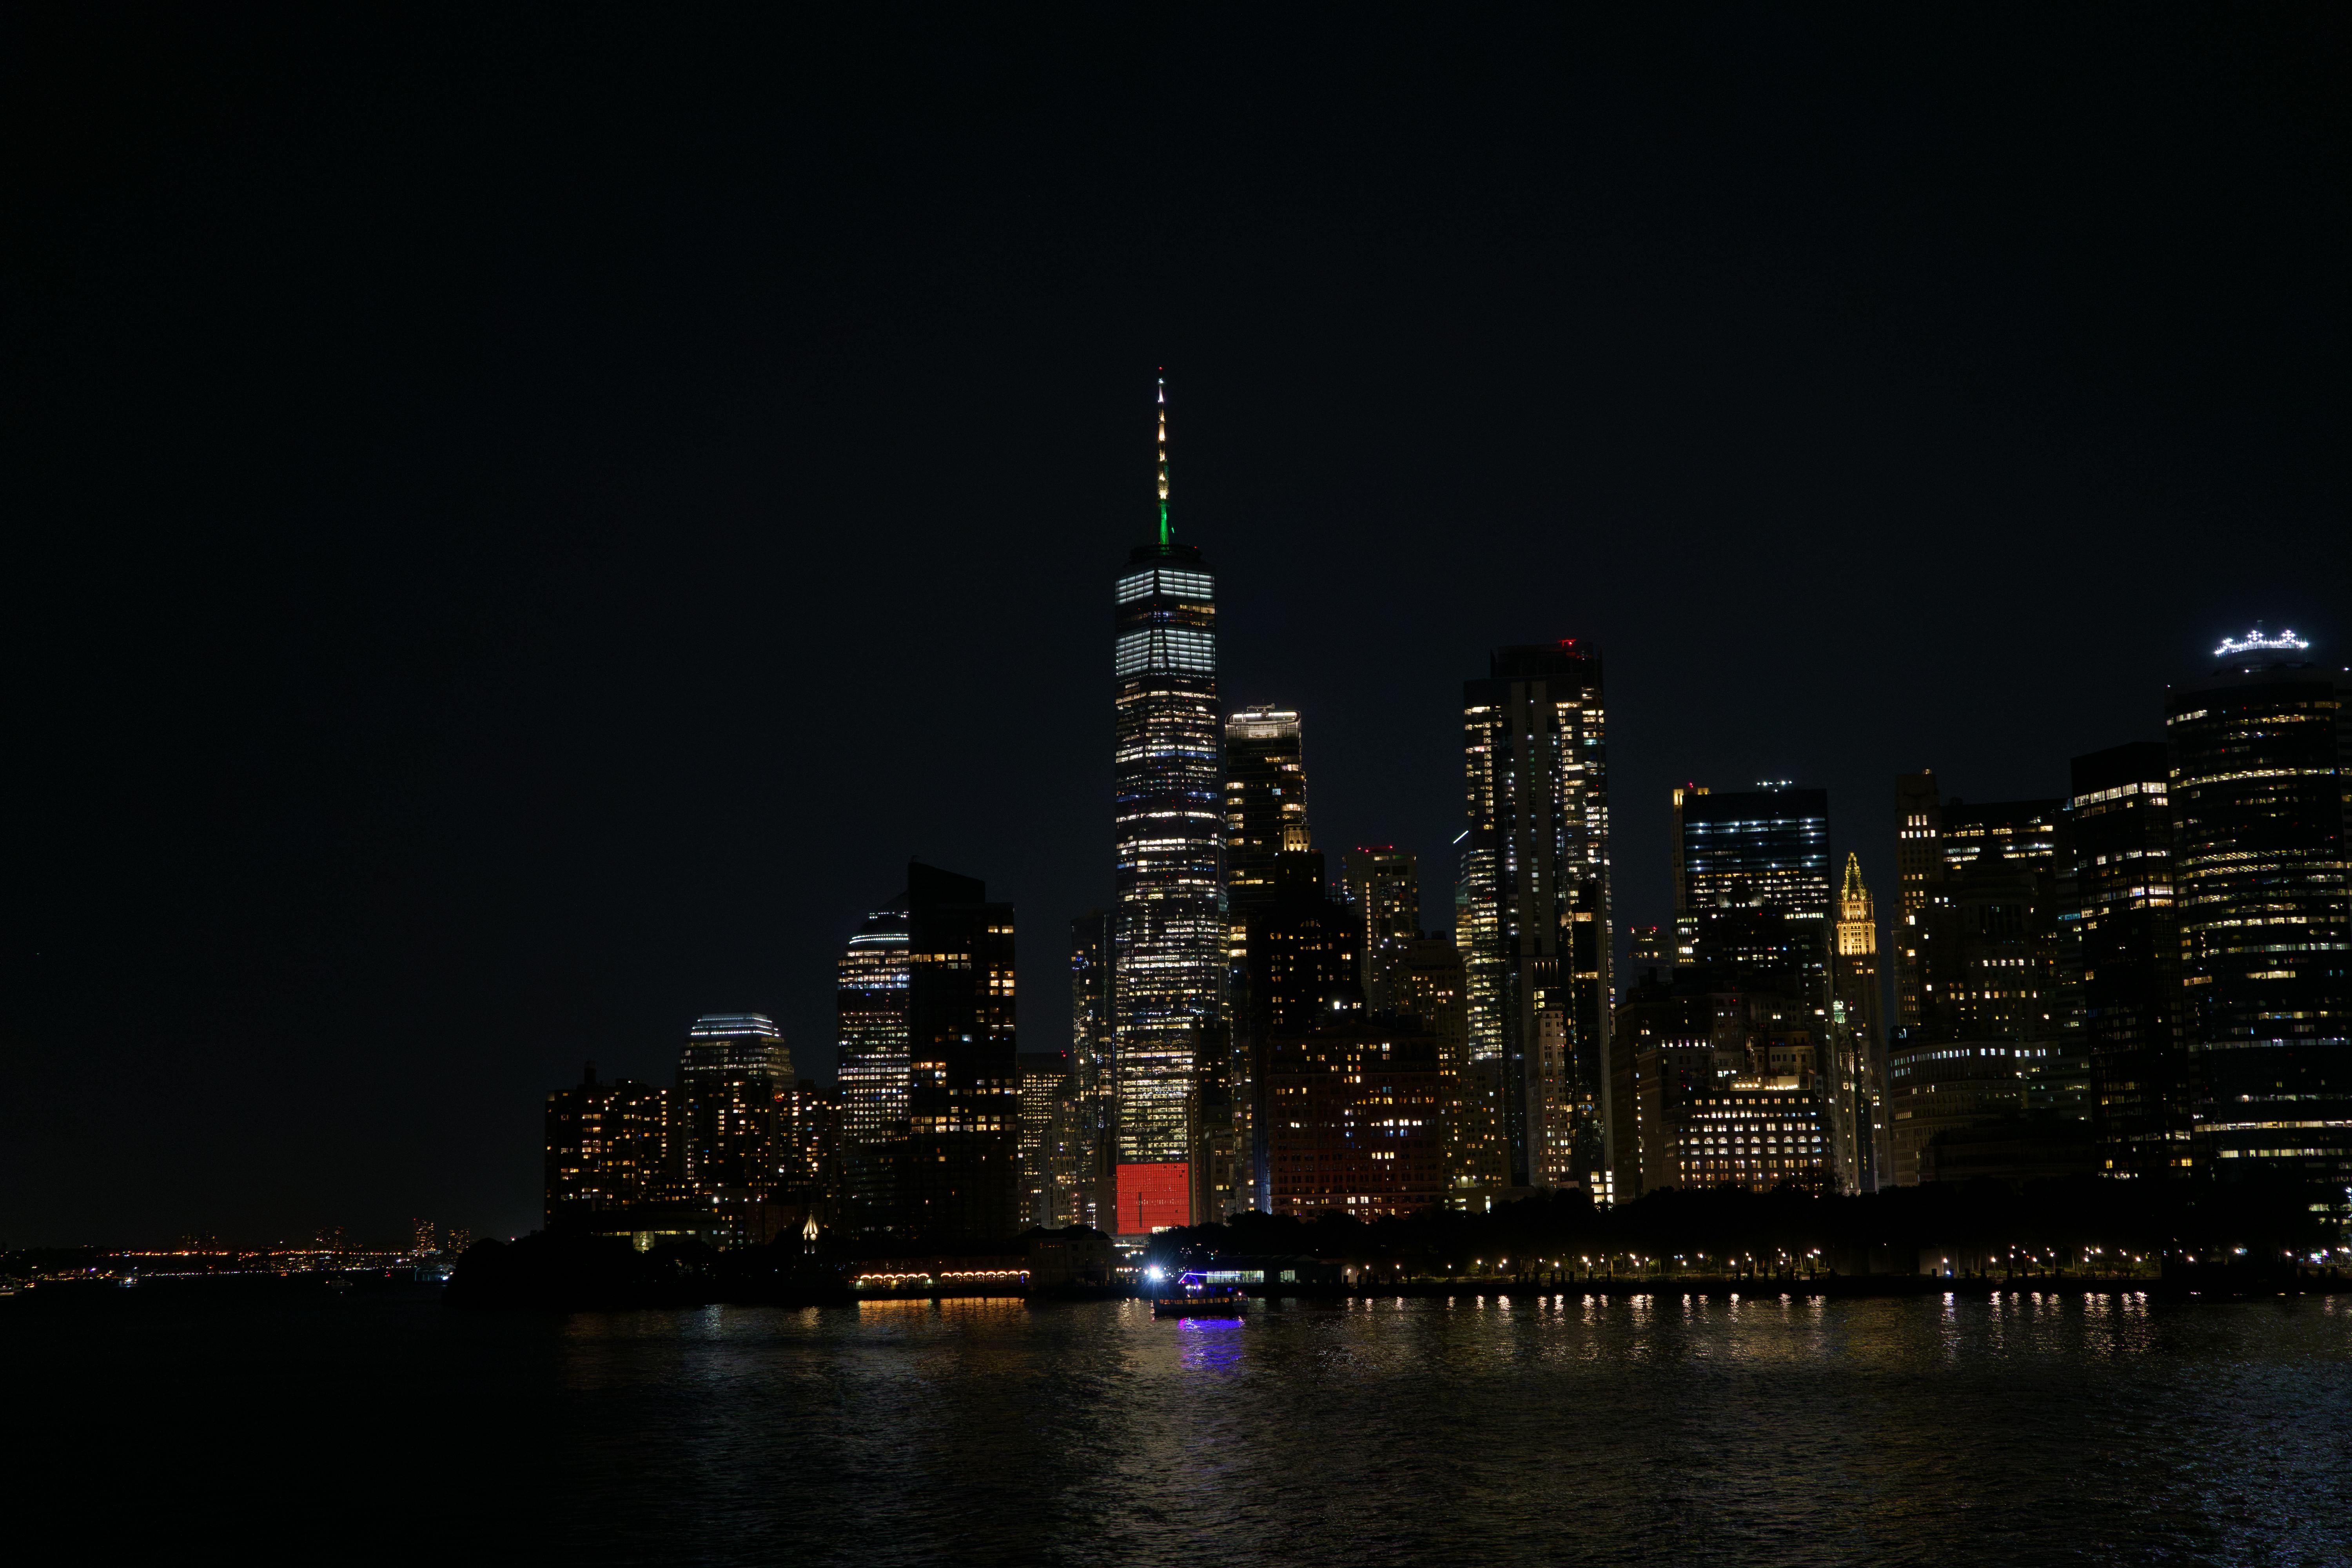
[{"x": 1153, "y": 1197}]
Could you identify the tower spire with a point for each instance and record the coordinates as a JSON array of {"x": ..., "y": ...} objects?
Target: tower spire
[
  {"x": 1853, "y": 898},
  {"x": 1164, "y": 460}
]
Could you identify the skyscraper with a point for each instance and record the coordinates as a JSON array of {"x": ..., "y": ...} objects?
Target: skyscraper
[
  {"x": 1756, "y": 873},
  {"x": 959, "y": 1180},
  {"x": 1302, "y": 956},
  {"x": 1765, "y": 848},
  {"x": 2262, "y": 769},
  {"x": 871, "y": 1003},
  {"x": 1168, "y": 943},
  {"x": 1265, "y": 817},
  {"x": 1427, "y": 982},
  {"x": 1995, "y": 1034},
  {"x": 1918, "y": 868},
  {"x": 1045, "y": 1088},
  {"x": 1265, "y": 809},
  {"x": 731, "y": 1074},
  {"x": 1858, "y": 1039},
  {"x": 1534, "y": 931},
  {"x": 1759, "y": 914},
  {"x": 809, "y": 1138},
  {"x": 2121, "y": 811},
  {"x": 1090, "y": 1115},
  {"x": 1685, "y": 933},
  {"x": 2030, "y": 837},
  {"x": 1384, "y": 886}
]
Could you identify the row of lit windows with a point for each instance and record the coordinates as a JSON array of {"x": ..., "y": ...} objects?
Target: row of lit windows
[{"x": 1165, "y": 580}]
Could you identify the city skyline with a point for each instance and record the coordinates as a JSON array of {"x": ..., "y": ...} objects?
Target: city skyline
[
  {"x": 491, "y": 602},
  {"x": 2142, "y": 980},
  {"x": 874, "y": 948},
  {"x": 2003, "y": 1023},
  {"x": 1025, "y": 785}
]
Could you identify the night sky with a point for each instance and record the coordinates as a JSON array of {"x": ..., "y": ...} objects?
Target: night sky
[{"x": 521, "y": 527}]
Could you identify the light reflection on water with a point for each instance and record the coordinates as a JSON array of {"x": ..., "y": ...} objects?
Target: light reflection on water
[
  {"x": 1493, "y": 1429},
  {"x": 1211, "y": 1345},
  {"x": 1560, "y": 1428}
]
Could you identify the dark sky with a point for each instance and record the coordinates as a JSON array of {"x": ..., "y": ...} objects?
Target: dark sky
[{"x": 520, "y": 527}]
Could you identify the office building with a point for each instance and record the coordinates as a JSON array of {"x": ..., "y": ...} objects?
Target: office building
[
  {"x": 1384, "y": 892},
  {"x": 1045, "y": 1088},
  {"x": 1763, "y": 848},
  {"x": 959, "y": 1181},
  {"x": 2262, "y": 766},
  {"x": 1534, "y": 911},
  {"x": 1353, "y": 1106},
  {"x": 1302, "y": 956},
  {"x": 1756, "y": 884},
  {"x": 1675, "y": 1036},
  {"x": 1265, "y": 809},
  {"x": 1989, "y": 977},
  {"x": 731, "y": 1075},
  {"x": 1937, "y": 1086},
  {"x": 1918, "y": 871},
  {"x": 1265, "y": 817},
  {"x": 1858, "y": 1041},
  {"x": 808, "y": 1136},
  {"x": 1077, "y": 1159},
  {"x": 871, "y": 1012},
  {"x": 1724, "y": 1084},
  {"x": 1168, "y": 939},
  {"x": 1383, "y": 889},
  {"x": 2142, "y": 1104},
  {"x": 2008, "y": 862},
  {"x": 608, "y": 1147},
  {"x": 2026, "y": 831},
  {"x": 1427, "y": 982},
  {"x": 1683, "y": 934},
  {"x": 1089, "y": 1115},
  {"x": 1758, "y": 910},
  {"x": 1753, "y": 1133}
]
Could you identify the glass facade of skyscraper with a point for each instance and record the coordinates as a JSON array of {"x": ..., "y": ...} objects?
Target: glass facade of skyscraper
[
  {"x": 2121, "y": 818},
  {"x": 1265, "y": 818},
  {"x": 2262, "y": 757},
  {"x": 959, "y": 1181},
  {"x": 871, "y": 1003},
  {"x": 730, "y": 1075},
  {"x": 1533, "y": 908},
  {"x": 1266, "y": 810},
  {"x": 1764, "y": 849},
  {"x": 1756, "y": 876},
  {"x": 1168, "y": 941}
]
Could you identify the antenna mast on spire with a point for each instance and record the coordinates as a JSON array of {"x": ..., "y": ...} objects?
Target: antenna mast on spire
[{"x": 1163, "y": 460}]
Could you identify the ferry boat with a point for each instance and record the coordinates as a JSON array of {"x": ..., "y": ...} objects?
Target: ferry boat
[{"x": 1189, "y": 1295}]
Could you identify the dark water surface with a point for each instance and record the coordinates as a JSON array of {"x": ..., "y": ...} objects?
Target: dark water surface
[{"x": 2060, "y": 1428}]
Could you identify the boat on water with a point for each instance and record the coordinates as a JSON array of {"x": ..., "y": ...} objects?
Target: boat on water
[{"x": 1189, "y": 1295}]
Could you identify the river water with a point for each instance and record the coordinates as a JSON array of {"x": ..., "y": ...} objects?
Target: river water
[{"x": 2059, "y": 1429}]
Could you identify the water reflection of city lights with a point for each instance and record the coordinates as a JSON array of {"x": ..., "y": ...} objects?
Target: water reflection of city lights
[{"x": 1209, "y": 1344}]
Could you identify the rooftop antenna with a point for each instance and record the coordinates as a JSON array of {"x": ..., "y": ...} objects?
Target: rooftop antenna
[{"x": 1163, "y": 460}]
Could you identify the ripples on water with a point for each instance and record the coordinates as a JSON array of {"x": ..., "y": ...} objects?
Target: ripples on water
[{"x": 2034, "y": 1429}]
